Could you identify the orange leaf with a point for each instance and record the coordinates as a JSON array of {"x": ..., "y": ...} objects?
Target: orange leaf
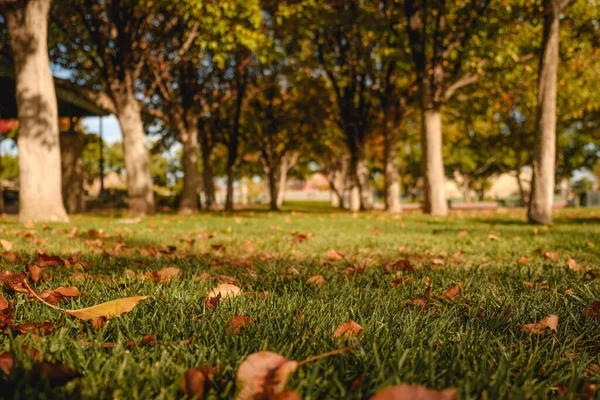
[
  {"x": 264, "y": 375},
  {"x": 195, "y": 381},
  {"x": 238, "y": 322},
  {"x": 316, "y": 280},
  {"x": 550, "y": 322},
  {"x": 452, "y": 293},
  {"x": 347, "y": 329},
  {"x": 335, "y": 255},
  {"x": 6, "y": 244}
]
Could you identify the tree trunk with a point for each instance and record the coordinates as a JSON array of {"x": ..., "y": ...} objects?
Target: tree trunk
[
  {"x": 191, "y": 178},
  {"x": 1, "y": 187},
  {"x": 364, "y": 181},
  {"x": 522, "y": 193},
  {"x": 207, "y": 171},
  {"x": 354, "y": 185},
  {"x": 337, "y": 181},
  {"x": 230, "y": 178},
  {"x": 71, "y": 150},
  {"x": 273, "y": 189},
  {"x": 40, "y": 183},
  {"x": 392, "y": 181},
  {"x": 433, "y": 163},
  {"x": 544, "y": 157},
  {"x": 137, "y": 161}
]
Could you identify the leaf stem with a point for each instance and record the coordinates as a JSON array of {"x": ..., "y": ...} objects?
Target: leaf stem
[
  {"x": 329, "y": 353},
  {"x": 34, "y": 294}
]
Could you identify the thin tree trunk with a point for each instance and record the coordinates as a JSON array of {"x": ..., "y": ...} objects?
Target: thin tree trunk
[
  {"x": 137, "y": 161},
  {"x": 433, "y": 163},
  {"x": 71, "y": 149},
  {"x": 364, "y": 181},
  {"x": 354, "y": 185},
  {"x": 544, "y": 157},
  {"x": 392, "y": 181},
  {"x": 230, "y": 178},
  {"x": 273, "y": 189},
  {"x": 522, "y": 193},
  {"x": 207, "y": 170},
  {"x": 40, "y": 191},
  {"x": 337, "y": 181},
  {"x": 191, "y": 178}
]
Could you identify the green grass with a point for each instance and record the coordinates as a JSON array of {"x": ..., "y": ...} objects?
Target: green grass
[{"x": 469, "y": 344}]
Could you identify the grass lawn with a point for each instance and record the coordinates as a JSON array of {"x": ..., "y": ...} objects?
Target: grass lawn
[{"x": 509, "y": 272}]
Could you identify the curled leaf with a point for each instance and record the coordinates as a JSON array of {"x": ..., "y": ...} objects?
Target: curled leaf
[
  {"x": 195, "y": 381},
  {"x": 238, "y": 322},
  {"x": 347, "y": 329},
  {"x": 264, "y": 375},
  {"x": 550, "y": 322},
  {"x": 452, "y": 293}
]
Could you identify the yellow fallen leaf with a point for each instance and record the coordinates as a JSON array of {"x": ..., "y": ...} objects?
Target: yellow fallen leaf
[
  {"x": 108, "y": 310},
  {"x": 6, "y": 244},
  {"x": 224, "y": 291}
]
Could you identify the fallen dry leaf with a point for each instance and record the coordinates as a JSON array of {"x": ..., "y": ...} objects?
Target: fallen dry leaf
[
  {"x": 348, "y": 329},
  {"x": 13, "y": 282},
  {"x": 593, "y": 310},
  {"x": 423, "y": 300},
  {"x": 221, "y": 292},
  {"x": 34, "y": 272},
  {"x": 408, "y": 392},
  {"x": 452, "y": 293},
  {"x": 316, "y": 280},
  {"x": 463, "y": 234},
  {"x": 335, "y": 255},
  {"x": 195, "y": 381},
  {"x": 551, "y": 255},
  {"x": 56, "y": 374},
  {"x": 238, "y": 322},
  {"x": 264, "y": 375},
  {"x": 400, "y": 265},
  {"x": 57, "y": 295},
  {"x": 8, "y": 245},
  {"x": 108, "y": 310},
  {"x": 537, "y": 285},
  {"x": 573, "y": 265},
  {"x": 491, "y": 236},
  {"x": 165, "y": 275},
  {"x": 550, "y": 322}
]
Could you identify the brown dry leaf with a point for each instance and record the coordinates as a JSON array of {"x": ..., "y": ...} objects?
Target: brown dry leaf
[
  {"x": 35, "y": 272},
  {"x": 57, "y": 295},
  {"x": 348, "y": 329},
  {"x": 551, "y": 255},
  {"x": 238, "y": 322},
  {"x": 195, "y": 381},
  {"x": 13, "y": 282},
  {"x": 550, "y": 322},
  {"x": 8, "y": 245},
  {"x": 264, "y": 375},
  {"x": 438, "y": 261},
  {"x": 593, "y": 369},
  {"x": 452, "y": 293},
  {"x": 408, "y": 392},
  {"x": 400, "y": 265},
  {"x": 218, "y": 247},
  {"x": 573, "y": 265},
  {"x": 593, "y": 310},
  {"x": 524, "y": 259},
  {"x": 39, "y": 328},
  {"x": 423, "y": 300},
  {"x": 316, "y": 280},
  {"x": 56, "y": 374},
  {"x": 6, "y": 362},
  {"x": 288, "y": 394},
  {"x": 165, "y": 275},
  {"x": 401, "y": 280},
  {"x": 249, "y": 247},
  {"x": 221, "y": 292},
  {"x": 491, "y": 236},
  {"x": 44, "y": 260},
  {"x": 403, "y": 249},
  {"x": 463, "y": 234},
  {"x": 335, "y": 255}
]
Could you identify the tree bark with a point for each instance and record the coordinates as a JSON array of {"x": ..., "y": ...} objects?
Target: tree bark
[
  {"x": 364, "y": 181},
  {"x": 544, "y": 157},
  {"x": 354, "y": 182},
  {"x": 273, "y": 189},
  {"x": 230, "y": 179},
  {"x": 191, "y": 178},
  {"x": 433, "y": 162},
  {"x": 207, "y": 171},
  {"x": 392, "y": 180},
  {"x": 522, "y": 193},
  {"x": 137, "y": 161},
  {"x": 71, "y": 149},
  {"x": 337, "y": 181},
  {"x": 40, "y": 183}
]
